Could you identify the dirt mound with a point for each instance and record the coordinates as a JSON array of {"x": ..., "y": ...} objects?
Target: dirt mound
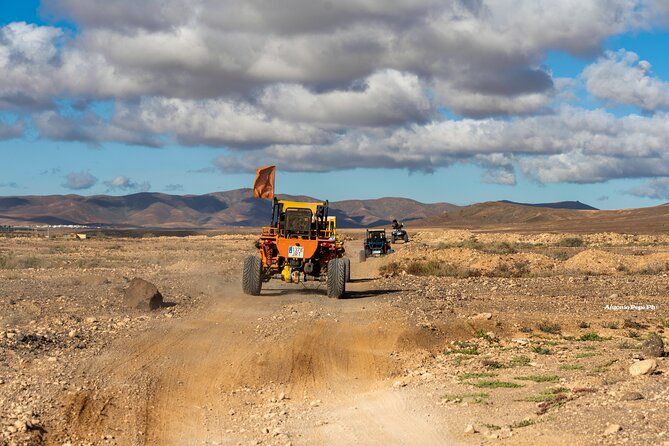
[
  {"x": 474, "y": 262},
  {"x": 594, "y": 261}
]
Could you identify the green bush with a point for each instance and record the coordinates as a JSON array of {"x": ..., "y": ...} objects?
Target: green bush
[{"x": 571, "y": 242}]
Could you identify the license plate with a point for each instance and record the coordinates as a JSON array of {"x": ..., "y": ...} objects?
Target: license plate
[
  {"x": 296, "y": 252},
  {"x": 376, "y": 251}
]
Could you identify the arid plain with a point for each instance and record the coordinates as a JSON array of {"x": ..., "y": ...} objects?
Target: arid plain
[{"x": 457, "y": 337}]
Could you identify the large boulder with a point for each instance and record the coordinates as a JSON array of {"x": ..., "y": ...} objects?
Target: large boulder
[
  {"x": 142, "y": 295},
  {"x": 645, "y": 367},
  {"x": 653, "y": 347}
]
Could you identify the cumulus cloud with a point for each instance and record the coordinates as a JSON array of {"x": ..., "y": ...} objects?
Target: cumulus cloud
[
  {"x": 79, "y": 181},
  {"x": 203, "y": 48},
  {"x": 345, "y": 84},
  {"x": 124, "y": 183},
  {"x": 387, "y": 97},
  {"x": 573, "y": 145},
  {"x": 88, "y": 128},
  {"x": 622, "y": 78},
  {"x": 657, "y": 188},
  {"x": 215, "y": 122}
]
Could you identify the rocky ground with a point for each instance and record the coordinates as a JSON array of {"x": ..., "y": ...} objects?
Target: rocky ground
[{"x": 456, "y": 337}]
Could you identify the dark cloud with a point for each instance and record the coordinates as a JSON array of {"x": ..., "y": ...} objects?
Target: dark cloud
[
  {"x": 79, "y": 181},
  {"x": 10, "y": 185}
]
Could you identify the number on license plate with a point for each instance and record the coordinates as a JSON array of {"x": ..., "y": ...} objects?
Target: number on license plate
[{"x": 296, "y": 252}]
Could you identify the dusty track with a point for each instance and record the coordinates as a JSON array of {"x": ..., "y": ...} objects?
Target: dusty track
[{"x": 312, "y": 369}]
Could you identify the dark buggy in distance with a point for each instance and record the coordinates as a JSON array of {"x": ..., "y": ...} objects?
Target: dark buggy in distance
[{"x": 376, "y": 244}]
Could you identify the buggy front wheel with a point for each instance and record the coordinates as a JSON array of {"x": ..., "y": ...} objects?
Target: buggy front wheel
[
  {"x": 252, "y": 276},
  {"x": 336, "y": 279}
]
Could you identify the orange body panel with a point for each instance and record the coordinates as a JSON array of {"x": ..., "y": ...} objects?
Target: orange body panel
[{"x": 310, "y": 246}]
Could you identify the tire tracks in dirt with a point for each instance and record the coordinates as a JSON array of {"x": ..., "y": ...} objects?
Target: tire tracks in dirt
[{"x": 211, "y": 378}]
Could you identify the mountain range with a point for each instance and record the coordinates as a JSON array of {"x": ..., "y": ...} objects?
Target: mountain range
[
  {"x": 238, "y": 208},
  {"x": 235, "y": 208}
]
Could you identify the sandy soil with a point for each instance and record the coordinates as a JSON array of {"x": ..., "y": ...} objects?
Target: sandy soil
[{"x": 525, "y": 353}]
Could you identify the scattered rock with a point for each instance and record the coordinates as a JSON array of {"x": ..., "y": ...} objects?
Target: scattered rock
[
  {"x": 399, "y": 383},
  {"x": 632, "y": 396},
  {"x": 653, "y": 347},
  {"x": 142, "y": 295},
  {"x": 483, "y": 316},
  {"x": 470, "y": 429},
  {"x": 612, "y": 429},
  {"x": 643, "y": 367}
]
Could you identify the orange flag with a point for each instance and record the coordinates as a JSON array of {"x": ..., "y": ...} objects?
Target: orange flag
[{"x": 263, "y": 187}]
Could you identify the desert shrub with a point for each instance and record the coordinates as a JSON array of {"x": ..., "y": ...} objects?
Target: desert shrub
[
  {"x": 31, "y": 262},
  {"x": 654, "y": 268},
  {"x": 389, "y": 268},
  {"x": 477, "y": 397},
  {"x": 89, "y": 263},
  {"x": 592, "y": 336},
  {"x": 548, "y": 327},
  {"x": 560, "y": 255},
  {"x": 495, "y": 384},
  {"x": 442, "y": 269},
  {"x": 541, "y": 350},
  {"x": 489, "y": 248},
  {"x": 522, "y": 423},
  {"x": 500, "y": 248},
  {"x": 539, "y": 378},
  {"x": 5, "y": 262},
  {"x": 518, "y": 268},
  {"x": 571, "y": 242},
  {"x": 630, "y": 323},
  {"x": 518, "y": 361}
]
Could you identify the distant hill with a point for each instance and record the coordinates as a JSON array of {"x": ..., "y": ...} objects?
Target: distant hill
[
  {"x": 576, "y": 205},
  {"x": 233, "y": 208},
  {"x": 501, "y": 216}
]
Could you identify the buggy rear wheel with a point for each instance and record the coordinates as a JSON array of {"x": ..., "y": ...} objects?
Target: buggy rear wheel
[
  {"x": 336, "y": 279},
  {"x": 252, "y": 276},
  {"x": 347, "y": 265}
]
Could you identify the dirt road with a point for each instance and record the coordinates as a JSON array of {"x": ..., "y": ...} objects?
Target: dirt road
[{"x": 288, "y": 367}]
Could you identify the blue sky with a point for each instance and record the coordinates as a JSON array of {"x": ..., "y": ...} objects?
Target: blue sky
[{"x": 189, "y": 97}]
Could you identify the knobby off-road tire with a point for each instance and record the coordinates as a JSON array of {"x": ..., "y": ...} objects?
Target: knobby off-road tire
[
  {"x": 406, "y": 238},
  {"x": 363, "y": 256},
  {"x": 336, "y": 278},
  {"x": 252, "y": 276},
  {"x": 347, "y": 265}
]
